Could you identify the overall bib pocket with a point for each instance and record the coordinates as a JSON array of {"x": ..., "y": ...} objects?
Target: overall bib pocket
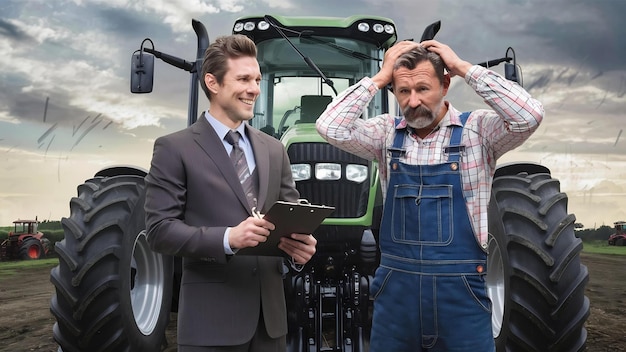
[{"x": 416, "y": 211}]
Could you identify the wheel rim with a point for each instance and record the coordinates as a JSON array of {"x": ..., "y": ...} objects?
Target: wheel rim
[
  {"x": 147, "y": 285},
  {"x": 495, "y": 285},
  {"x": 33, "y": 252}
]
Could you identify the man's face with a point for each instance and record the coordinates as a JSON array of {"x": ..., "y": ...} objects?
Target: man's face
[
  {"x": 420, "y": 95},
  {"x": 232, "y": 101}
]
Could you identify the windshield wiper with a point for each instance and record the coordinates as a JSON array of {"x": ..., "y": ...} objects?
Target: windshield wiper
[
  {"x": 306, "y": 59},
  {"x": 310, "y": 36}
]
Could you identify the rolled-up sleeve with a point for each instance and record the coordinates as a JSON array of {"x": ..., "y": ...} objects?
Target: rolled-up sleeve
[{"x": 342, "y": 126}]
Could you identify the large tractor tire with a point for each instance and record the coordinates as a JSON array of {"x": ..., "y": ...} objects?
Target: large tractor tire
[
  {"x": 535, "y": 277},
  {"x": 112, "y": 292},
  {"x": 31, "y": 248}
]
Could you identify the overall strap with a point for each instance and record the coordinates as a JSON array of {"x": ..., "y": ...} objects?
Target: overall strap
[
  {"x": 397, "y": 149},
  {"x": 454, "y": 149}
]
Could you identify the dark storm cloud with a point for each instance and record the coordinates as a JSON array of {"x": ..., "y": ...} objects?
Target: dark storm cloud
[
  {"x": 59, "y": 113},
  {"x": 540, "y": 82},
  {"x": 126, "y": 25},
  {"x": 123, "y": 22},
  {"x": 594, "y": 38},
  {"x": 30, "y": 106},
  {"x": 12, "y": 32},
  {"x": 25, "y": 106}
]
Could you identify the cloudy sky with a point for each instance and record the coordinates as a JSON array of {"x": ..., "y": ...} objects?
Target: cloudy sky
[{"x": 66, "y": 110}]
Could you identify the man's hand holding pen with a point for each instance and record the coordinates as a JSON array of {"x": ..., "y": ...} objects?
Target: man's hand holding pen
[{"x": 250, "y": 232}]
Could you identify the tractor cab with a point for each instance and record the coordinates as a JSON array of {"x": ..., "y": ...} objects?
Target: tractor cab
[
  {"x": 305, "y": 61},
  {"x": 619, "y": 237},
  {"x": 24, "y": 227}
]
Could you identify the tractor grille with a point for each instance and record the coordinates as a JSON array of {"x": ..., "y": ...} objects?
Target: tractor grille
[{"x": 348, "y": 198}]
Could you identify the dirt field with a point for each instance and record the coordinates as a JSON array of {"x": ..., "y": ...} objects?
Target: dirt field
[{"x": 26, "y": 322}]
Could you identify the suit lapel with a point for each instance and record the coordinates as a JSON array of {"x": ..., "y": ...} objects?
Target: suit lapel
[
  {"x": 210, "y": 143},
  {"x": 262, "y": 159}
]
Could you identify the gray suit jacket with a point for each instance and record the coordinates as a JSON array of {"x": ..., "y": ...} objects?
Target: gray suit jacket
[{"x": 192, "y": 195}]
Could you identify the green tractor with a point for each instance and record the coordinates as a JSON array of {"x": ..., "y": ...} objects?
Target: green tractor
[{"x": 114, "y": 293}]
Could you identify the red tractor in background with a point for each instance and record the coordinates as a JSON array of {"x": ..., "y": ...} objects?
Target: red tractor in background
[
  {"x": 24, "y": 242},
  {"x": 619, "y": 237}
]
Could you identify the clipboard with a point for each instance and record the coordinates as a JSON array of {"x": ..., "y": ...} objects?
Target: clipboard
[{"x": 288, "y": 218}]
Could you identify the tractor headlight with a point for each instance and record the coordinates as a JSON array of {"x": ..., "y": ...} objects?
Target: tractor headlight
[
  {"x": 356, "y": 173},
  {"x": 389, "y": 29},
  {"x": 327, "y": 171},
  {"x": 263, "y": 25},
  {"x": 300, "y": 172},
  {"x": 378, "y": 28},
  {"x": 363, "y": 26},
  {"x": 238, "y": 27},
  {"x": 249, "y": 26}
]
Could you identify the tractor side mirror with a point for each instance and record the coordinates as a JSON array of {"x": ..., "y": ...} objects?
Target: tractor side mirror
[
  {"x": 511, "y": 72},
  {"x": 141, "y": 71}
]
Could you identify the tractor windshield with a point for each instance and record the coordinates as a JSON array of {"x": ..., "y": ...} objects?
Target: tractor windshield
[
  {"x": 25, "y": 226},
  {"x": 292, "y": 93}
]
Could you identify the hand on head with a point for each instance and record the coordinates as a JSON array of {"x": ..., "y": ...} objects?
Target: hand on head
[
  {"x": 385, "y": 75},
  {"x": 456, "y": 66}
]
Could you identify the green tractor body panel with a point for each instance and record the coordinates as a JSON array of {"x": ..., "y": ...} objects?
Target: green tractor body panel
[{"x": 306, "y": 133}]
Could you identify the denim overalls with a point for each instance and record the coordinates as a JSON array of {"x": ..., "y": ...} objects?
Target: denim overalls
[{"x": 429, "y": 291}]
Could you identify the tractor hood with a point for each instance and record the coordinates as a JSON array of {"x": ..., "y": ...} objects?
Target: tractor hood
[{"x": 301, "y": 133}]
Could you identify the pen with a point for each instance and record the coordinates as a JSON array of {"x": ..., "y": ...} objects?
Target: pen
[{"x": 256, "y": 213}]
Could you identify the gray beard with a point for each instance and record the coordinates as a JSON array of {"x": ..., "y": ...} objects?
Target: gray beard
[
  {"x": 420, "y": 122},
  {"x": 418, "y": 118}
]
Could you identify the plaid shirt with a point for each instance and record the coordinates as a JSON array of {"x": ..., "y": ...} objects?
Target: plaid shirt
[{"x": 487, "y": 135}]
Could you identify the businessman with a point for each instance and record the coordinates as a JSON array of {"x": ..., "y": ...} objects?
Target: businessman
[{"x": 203, "y": 183}]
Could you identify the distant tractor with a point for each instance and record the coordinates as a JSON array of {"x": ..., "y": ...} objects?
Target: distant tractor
[
  {"x": 24, "y": 242},
  {"x": 619, "y": 237}
]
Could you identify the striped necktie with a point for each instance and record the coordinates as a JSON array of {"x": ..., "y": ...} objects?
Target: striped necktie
[{"x": 238, "y": 158}]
